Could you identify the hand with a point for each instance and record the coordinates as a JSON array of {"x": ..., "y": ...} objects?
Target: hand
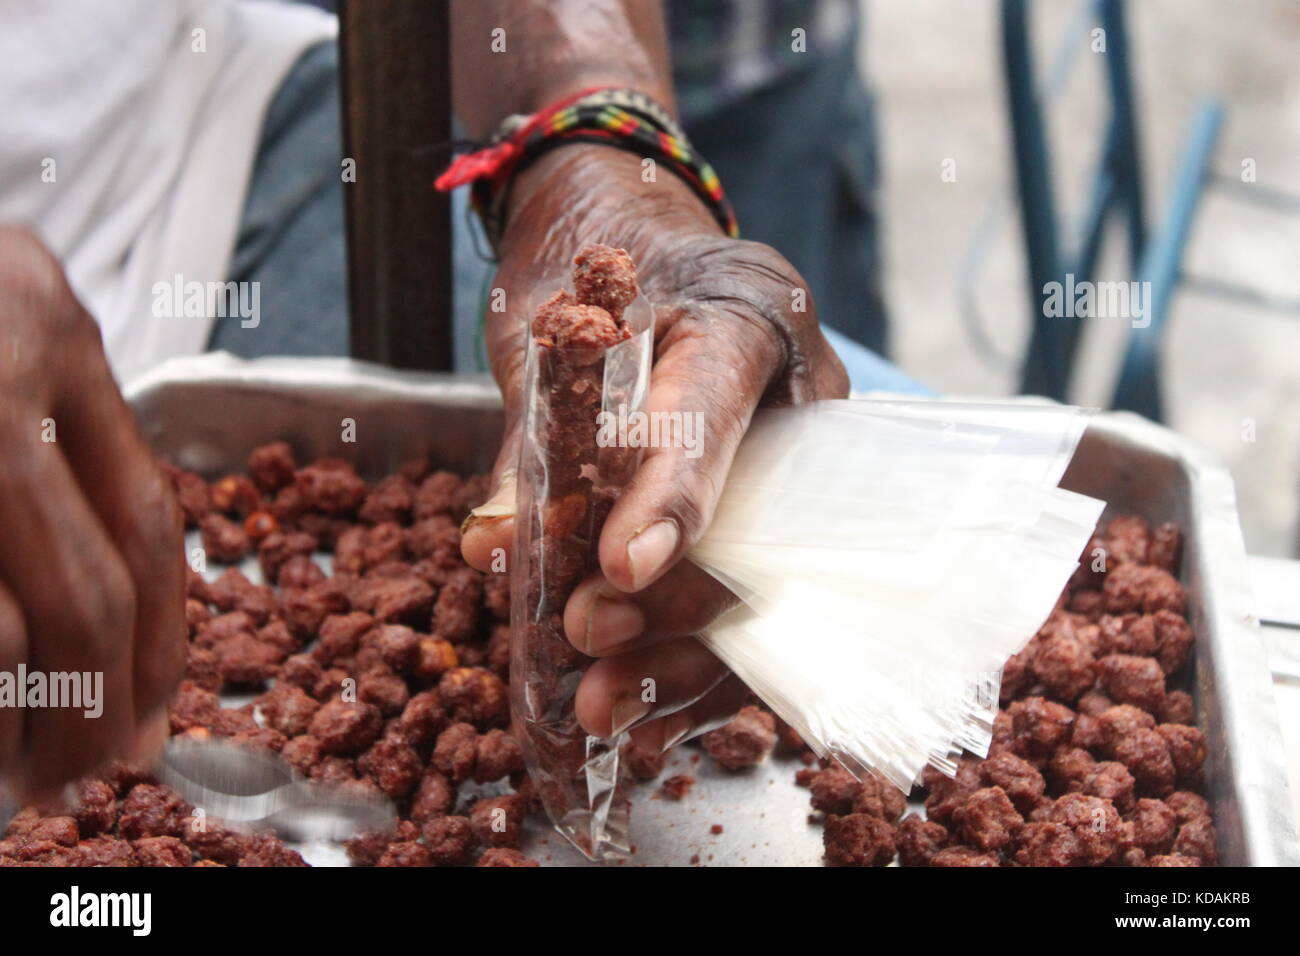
[
  {"x": 91, "y": 578},
  {"x": 728, "y": 337}
]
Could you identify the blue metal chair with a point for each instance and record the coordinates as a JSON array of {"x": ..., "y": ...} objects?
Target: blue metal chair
[{"x": 1154, "y": 251}]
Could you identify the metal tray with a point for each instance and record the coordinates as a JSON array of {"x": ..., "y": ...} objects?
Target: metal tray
[{"x": 207, "y": 413}]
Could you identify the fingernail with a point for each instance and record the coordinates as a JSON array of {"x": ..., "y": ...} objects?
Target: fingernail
[
  {"x": 650, "y": 550},
  {"x": 500, "y": 505},
  {"x": 626, "y": 713},
  {"x": 611, "y": 622}
]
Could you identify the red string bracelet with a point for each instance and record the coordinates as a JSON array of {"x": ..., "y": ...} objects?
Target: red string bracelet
[{"x": 625, "y": 119}]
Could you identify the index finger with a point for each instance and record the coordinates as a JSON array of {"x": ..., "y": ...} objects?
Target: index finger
[
  {"x": 713, "y": 368},
  {"x": 133, "y": 498},
  {"x": 490, "y": 528},
  {"x": 79, "y": 605}
]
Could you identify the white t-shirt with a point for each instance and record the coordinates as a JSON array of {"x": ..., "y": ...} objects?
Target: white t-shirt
[{"x": 127, "y": 138}]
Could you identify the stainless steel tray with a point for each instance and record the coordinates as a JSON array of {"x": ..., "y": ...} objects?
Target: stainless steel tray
[{"x": 206, "y": 413}]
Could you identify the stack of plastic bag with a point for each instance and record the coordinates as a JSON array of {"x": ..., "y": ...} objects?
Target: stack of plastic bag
[{"x": 890, "y": 557}]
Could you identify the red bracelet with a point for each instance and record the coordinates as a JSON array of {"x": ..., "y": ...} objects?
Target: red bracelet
[{"x": 625, "y": 119}]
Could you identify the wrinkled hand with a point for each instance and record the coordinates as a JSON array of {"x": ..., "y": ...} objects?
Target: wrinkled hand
[
  {"x": 729, "y": 336},
  {"x": 90, "y": 536}
]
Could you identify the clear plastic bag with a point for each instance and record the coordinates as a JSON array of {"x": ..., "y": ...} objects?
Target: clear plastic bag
[
  {"x": 567, "y": 484},
  {"x": 891, "y": 556}
]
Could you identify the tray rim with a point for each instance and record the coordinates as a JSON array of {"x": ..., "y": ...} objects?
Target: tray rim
[{"x": 1242, "y": 682}]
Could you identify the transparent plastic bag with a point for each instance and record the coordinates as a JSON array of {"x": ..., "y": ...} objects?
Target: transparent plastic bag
[
  {"x": 567, "y": 484},
  {"x": 891, "y": 556}
]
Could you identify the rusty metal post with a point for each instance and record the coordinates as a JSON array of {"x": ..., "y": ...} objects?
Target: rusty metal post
[{"x": 396, "y": 77}]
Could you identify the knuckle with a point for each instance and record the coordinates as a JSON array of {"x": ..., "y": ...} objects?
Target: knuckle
[
  {"x": 754, "y": 284},
  {"x": 100, "y": 611},
  {"x": 835, "y": 377},
  {"x": 162, "y": 528},
  {"x": 39, "y": 309},
  {"x": 727, "y": 421},
  {"x": 692, "y": 506},
  {"x": 31, "y": 278},
  {"x": 25, "y": 261}
]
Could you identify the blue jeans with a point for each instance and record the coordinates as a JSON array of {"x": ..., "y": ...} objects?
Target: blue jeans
[
  {"x": 292, "y": 241},
  {"x": 291, "y": 237}
]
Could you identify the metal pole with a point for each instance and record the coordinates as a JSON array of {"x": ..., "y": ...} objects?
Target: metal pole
[
  {"x": 396, "y": 76},
  {"x": 1138, "y": 389},
  {"x": 1047, "y": 360}
]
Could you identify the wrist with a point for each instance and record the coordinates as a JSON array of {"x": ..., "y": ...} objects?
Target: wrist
[
  {"x": 626, "y": 119},
  {"x": 604, "y": 191}
]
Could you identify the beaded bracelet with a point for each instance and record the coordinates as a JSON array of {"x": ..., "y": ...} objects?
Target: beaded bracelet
[{"x": 623, "y": 118}]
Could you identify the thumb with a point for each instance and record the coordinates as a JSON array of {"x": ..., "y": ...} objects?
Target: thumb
[{"x": 489, "y": 530}]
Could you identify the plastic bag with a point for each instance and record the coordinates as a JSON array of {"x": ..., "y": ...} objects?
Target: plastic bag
[
  {"x": 891, "y": 556},
  {"x": 567, "y": 484}
]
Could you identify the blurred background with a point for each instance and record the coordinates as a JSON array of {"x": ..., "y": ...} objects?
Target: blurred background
[{"x": 936, "y": 69}]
